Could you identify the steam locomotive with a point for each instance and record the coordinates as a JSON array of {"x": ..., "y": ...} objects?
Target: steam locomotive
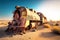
[{"x": 31, "y": 18}]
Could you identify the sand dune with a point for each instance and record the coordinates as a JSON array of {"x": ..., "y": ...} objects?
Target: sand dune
[{"x": 4, "y": 23}]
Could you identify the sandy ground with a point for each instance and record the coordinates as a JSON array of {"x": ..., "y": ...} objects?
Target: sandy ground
[{"x": 42, "y": 34}]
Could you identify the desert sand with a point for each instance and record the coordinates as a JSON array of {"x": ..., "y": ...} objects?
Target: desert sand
[{"x": 40, "y": 34}]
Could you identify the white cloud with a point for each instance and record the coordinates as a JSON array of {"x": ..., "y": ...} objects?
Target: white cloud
[{"x": 51, "y": 9}]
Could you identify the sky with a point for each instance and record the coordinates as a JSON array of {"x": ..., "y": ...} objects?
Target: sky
[{"x": 50, "y": 8}]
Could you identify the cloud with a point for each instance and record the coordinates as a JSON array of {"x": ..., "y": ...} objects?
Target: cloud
[{"x": 51, "y": 9}]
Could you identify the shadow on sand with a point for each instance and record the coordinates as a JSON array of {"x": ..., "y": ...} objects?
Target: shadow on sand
[
  {"x": 3, "y": 33},
  {"x": 48, "y": 34}
]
